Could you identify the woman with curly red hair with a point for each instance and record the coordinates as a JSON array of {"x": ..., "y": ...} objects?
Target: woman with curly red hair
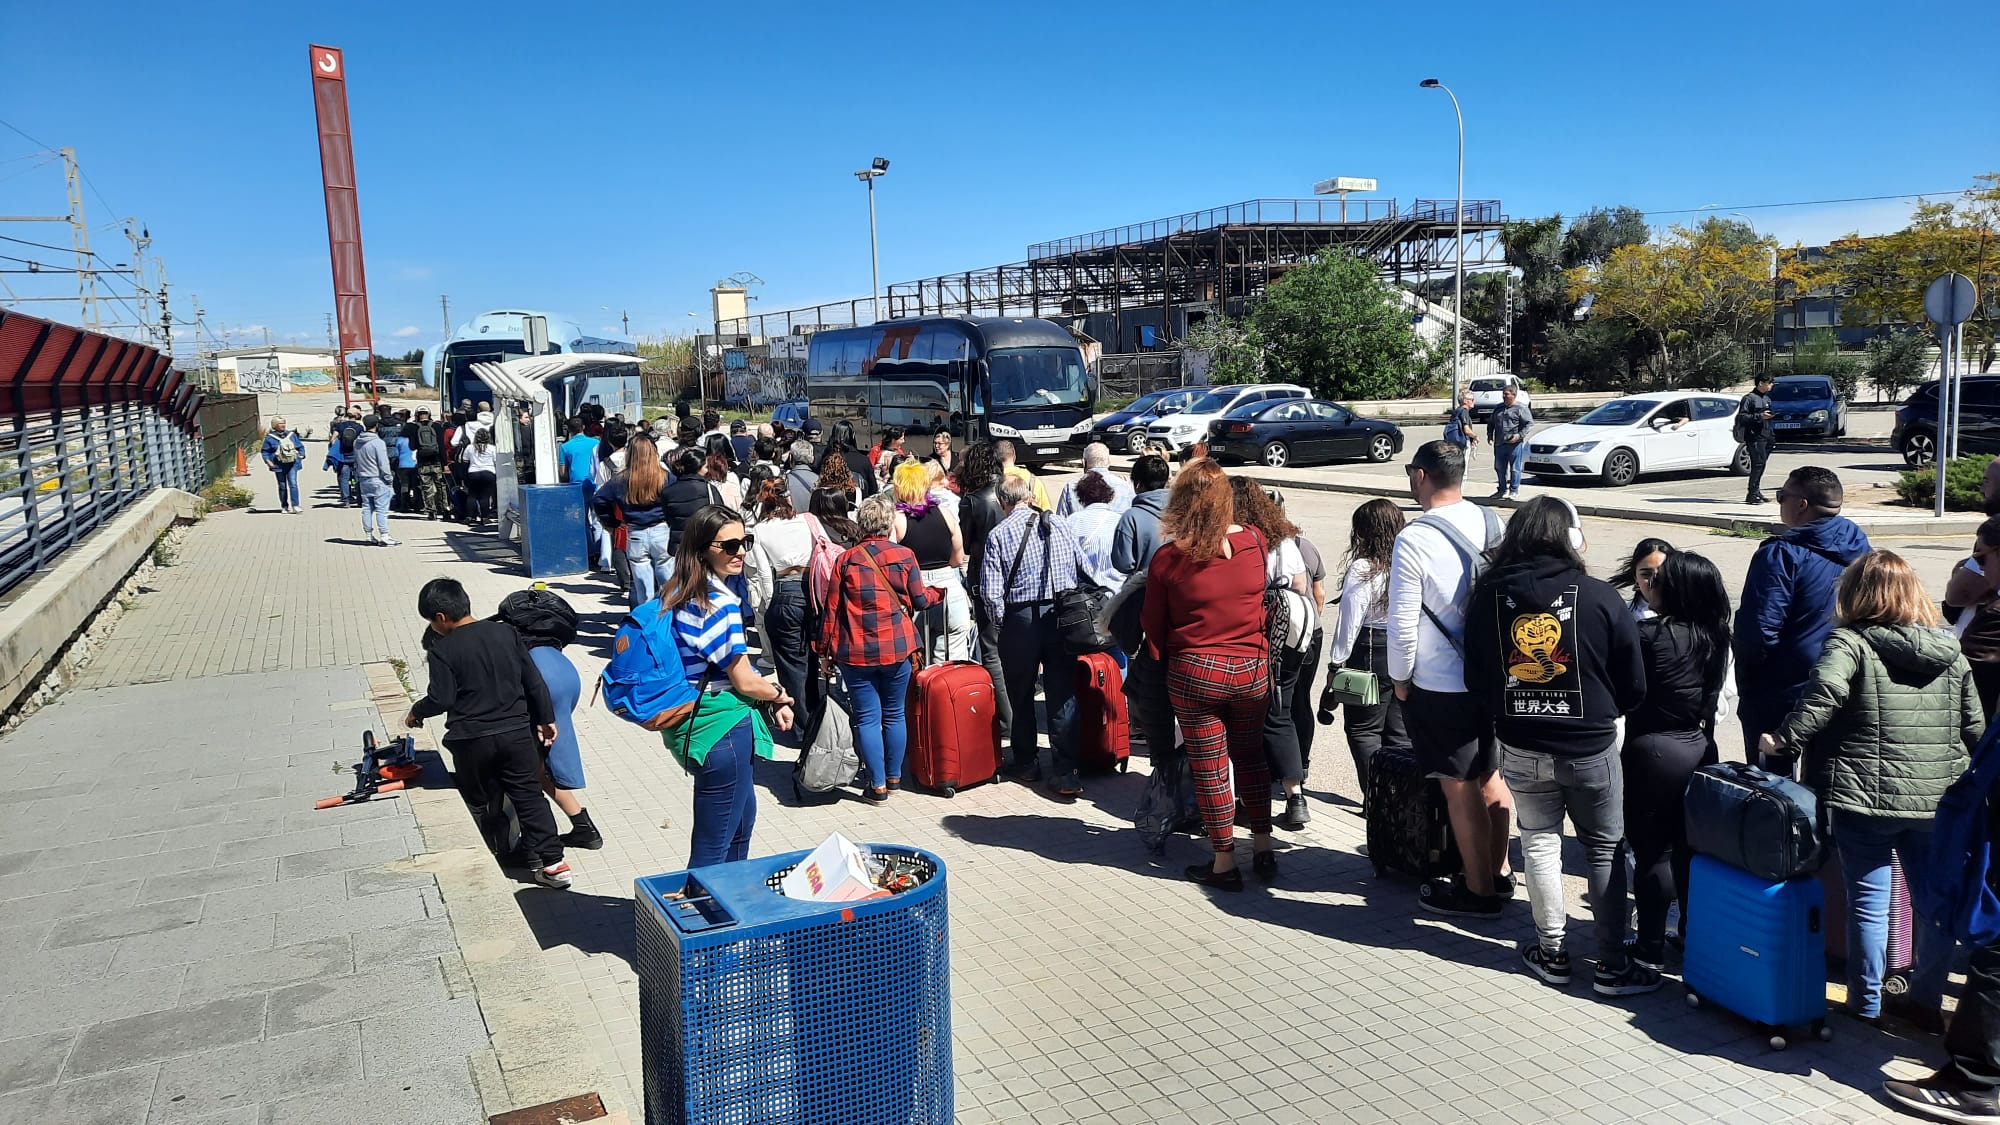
[{"x": 1204, "y": 621}]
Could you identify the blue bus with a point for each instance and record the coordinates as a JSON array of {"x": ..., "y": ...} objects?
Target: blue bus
[
  {"x": 499, "y": 336},
  {"x": 980, "y": 378}
]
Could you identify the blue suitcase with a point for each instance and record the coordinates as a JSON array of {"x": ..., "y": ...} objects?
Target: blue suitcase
[{"x": 1757, "y": 948}]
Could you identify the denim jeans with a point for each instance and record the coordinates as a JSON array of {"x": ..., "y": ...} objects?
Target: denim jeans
[
  {"x": 725, "y": 800},
  {"x": 288, "y": 484},
  {"x": 1865, "y": 842},
  {"x": 345, "y": 481},
  {"x": 652, "y": 559},
  {"x": 1591, "y": 790},
  {"x": 881, "y": 735},
  {"x": 375, "y": 497},
  {"x": 1030, "y": 642},
  {"x": 1507, "y": 462}
]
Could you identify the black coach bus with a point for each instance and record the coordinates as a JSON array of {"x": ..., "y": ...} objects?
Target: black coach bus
[{"x": 981, "y": 378}]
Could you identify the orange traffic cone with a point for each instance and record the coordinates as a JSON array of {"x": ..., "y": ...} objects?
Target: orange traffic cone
[{"x": 242, "y": 465}]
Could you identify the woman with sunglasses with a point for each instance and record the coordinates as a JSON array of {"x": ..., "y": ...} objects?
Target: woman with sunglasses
[
  {"x": 727, "y": 730},
  {"x": 870, "y": 631}
]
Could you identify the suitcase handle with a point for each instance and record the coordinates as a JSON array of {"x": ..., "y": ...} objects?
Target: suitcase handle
[
  {"x": 696, "y": 911},
  {"x": 1812, "y": 920}
]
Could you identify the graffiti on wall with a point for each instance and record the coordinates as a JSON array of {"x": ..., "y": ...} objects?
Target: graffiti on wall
[
  {"x": 754, "y": 377},
  {"x": 259, "y": 374}
]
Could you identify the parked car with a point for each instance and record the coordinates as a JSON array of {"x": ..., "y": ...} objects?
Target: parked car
[
  {"x": 1295, "y": 431},
  {"x": 1486, "y": 394},
  {"x": 792, "y": 414},
  {"x": 1666, "y": 432},
  {"x": 1915, "y": 434},
  {"x": 1125, "y": 428},
  {"x": 1807, "y": 406},
  {"x": 1181, "y": 430}
]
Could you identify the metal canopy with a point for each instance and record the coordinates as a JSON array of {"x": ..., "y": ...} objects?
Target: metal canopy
[{"x": 526, "y": 381}]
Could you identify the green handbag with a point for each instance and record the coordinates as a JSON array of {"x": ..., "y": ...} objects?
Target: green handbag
[{"x": 1357, "y": 687}]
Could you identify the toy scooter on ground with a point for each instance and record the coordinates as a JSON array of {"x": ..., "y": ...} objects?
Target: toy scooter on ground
[{"x": 380, "y": 772}]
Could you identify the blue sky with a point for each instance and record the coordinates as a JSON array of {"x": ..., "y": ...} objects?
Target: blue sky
[{"x": 627, "y": 155}]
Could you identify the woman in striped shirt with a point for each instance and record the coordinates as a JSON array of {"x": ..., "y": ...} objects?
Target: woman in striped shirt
[{"x": 727, "y": 730}]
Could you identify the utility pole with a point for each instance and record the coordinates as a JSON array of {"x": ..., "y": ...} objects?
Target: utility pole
[
  {"x": 1507, "y": 340},
  {"x": 444, "y": 305},
  {"x": 79, "y": 233},
  {"x": 140, "y": 240}
]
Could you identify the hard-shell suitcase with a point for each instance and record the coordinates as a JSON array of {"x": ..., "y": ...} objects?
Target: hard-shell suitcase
[
  {"x": 1409, "y": 828},
  {"x": 1757, "y": 948},
  {"x": 954, "y": 727},
  {"x": 1902, "y": 931},
  {"x": 1104, "y": 727},
  {"x": 1753, "y": 820}
]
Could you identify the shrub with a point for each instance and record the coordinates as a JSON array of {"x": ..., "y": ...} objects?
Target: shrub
[
  {"x": 223, "y": 494},
  {"x": 1962, "y": 478}
]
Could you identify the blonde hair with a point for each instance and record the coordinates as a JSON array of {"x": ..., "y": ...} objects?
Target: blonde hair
[
  {"x": 1880, "y": 588},
  {"x": 912, "y": 483}
]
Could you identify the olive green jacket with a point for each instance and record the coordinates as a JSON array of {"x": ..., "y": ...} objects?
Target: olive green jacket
[{"x": 1887, "y": 721}]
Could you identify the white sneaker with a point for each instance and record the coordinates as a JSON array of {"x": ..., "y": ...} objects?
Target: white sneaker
[
  {"x": 555, "y": 878},
  {"x": 388, "y": 542},
  {"x": 374, "y": 538}
]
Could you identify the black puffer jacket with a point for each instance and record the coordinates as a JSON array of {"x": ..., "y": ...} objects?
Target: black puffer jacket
[
  {"x": 978, "y": 514},
  {"x": 1683, "y": 679}
]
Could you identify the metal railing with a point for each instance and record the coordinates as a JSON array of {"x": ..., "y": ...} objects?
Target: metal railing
[{"x": 95, "y": 424}]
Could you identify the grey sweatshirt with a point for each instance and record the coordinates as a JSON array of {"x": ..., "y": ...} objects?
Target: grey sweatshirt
[{"x": 371, "y": 458}]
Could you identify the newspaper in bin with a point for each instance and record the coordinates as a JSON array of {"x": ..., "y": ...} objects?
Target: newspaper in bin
[{"x": 834, "y": 872}]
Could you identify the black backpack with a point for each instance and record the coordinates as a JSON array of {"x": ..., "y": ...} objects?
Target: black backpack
[
  {"x": 347, "y": 431},
  {"x": 427, "y": 439},
  {"x": 541, "y": 616}
]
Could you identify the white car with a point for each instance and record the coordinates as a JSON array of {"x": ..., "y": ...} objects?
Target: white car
[
  {"x": 1486, "y": 394},
  {"x": 1671, "y": 431},
  {"x": 1178, "y": 431}
]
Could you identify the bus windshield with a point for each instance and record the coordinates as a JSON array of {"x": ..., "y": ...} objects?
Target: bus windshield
[{"x": 1032, "y": 377}]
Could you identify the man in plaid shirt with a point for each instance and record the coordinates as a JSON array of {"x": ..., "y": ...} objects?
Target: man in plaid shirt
[{"x": 1030, "y": 558}]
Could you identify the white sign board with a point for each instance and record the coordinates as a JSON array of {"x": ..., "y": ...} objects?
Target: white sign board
[{"x": 1339, "y": 184}]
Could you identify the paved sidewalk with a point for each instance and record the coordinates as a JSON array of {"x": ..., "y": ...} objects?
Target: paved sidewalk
[
  {"x": 186, "y": 939},
  {"x": 1089, "y": 984}
]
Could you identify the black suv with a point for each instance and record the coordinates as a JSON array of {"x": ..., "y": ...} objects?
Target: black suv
[{"x": 1915, "y": 435}]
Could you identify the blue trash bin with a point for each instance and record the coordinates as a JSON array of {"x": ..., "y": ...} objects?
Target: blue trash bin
[
  {"x": 758, "y": 1008},
  {"x": 554, "y": 538}
]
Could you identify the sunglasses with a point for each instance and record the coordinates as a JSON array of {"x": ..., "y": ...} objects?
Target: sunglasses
[{"x": 733, "y": 546}]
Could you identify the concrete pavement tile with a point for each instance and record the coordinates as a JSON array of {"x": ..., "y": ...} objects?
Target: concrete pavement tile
[
  {"x": 347, "y": 857},
  {"x": 356, "y": 996},
  {"x": 425, "y": 940},
  {"x": 363, "y": 883},
  {"x": 248, "y": 902},
  {"x": 401, "y": 1044},
  {"x": 44, "y": 793},
  {"x": 229, "y": 876},
  {"x": 105, "y": 998},
  {"x": 69, "y": 904},
  {"x": 33, "y": 1060},
  {"x": 440, "y": 1095},
  {"x": 145, "y": 866},
  {"x": 58, "y": 968},
  {"x": 199, "y": 942},
  {"x": 272, "y": 968},
  {"x": 283, "y": 844},
  {"x": 115, "y": 1044},
  {"x": 118, "y": 1098},
  {"x": 149, "y": 918},
  {"x": 228, "y": 1077},
  {"x": 48, "y": 880},
  {"x": 397, "y": 908}
]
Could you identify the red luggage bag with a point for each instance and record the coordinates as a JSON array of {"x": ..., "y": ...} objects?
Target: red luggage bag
[
  {"x": 1103, "y": 728},
  {"x": 954, "y": 724}
]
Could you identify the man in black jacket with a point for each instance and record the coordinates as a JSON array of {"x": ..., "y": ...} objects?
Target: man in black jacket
[
  {"x": 1753, "y": 429},
  {"x": 496, "y": 707}
]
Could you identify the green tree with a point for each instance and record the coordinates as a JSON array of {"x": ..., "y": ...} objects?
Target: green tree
[
  {"x": 1545, "y": 250},
  {"x": 1896, "y": 361},
  {"x": 1883, "y": 278},
  {"x": 1333, "y": 325},
  {"x": 1692, "y": 297},
  {"x": 1235, "y": 351}
]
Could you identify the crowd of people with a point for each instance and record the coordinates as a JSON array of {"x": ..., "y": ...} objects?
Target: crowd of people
[{"x": 1531, "y": 690}]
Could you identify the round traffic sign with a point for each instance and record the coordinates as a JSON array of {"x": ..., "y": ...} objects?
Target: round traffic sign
[{"x": 1950, "y": 300}]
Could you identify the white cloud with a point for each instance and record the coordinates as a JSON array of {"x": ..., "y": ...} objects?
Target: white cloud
[{"x": 407, "y": 331}]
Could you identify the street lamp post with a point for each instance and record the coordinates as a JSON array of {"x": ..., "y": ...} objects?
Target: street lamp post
[
  {"x": 1458, "y": 283},
  {"x": 876, "y": 168}
]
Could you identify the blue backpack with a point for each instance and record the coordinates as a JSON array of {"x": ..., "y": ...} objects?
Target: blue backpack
[
  {"x": 645, "y": 682},
  {"x": 1955, "y": 891}
]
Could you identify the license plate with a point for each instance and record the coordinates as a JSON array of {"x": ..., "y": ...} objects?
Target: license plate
[
  {"x": 1049, "y": 449},
  {"x": 1544, "y": 466}
]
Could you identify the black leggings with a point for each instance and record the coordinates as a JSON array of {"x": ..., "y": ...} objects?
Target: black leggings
[
  {"x": 1371, "y": 728},
  {"x": 1281, "y": 735},
  {"x": 1657, "y": 768},
  {"x": 481, "y": 488}
]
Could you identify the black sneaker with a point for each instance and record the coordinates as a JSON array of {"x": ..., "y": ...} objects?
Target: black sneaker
[
  {"x": 1503, "y": 885},
  {"x": 1026, "y": 775},
  {"x": 1625, "y": 977},
  {"x": 583, "y": 836},
  {"x": 1947, "y": 1095},
  {"x": 1444, "y": 896},
  {"x": 1297, "y": 815},
  {"x": 1926, "y": 1019},
  {"x": 1551, "y": 967},
  {"x": 1651, "y": 954}
]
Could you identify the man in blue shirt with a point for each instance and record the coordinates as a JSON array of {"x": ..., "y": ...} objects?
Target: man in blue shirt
[{"x": 576, "y": 459}]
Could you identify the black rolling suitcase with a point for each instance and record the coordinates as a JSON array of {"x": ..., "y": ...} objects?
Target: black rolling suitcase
[{"x": 1409, "y": 828}]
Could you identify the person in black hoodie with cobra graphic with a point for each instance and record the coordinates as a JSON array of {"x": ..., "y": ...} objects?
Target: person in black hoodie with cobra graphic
[{"x": 1554, "y": 654}]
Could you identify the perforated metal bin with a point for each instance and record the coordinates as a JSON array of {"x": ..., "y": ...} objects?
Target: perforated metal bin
[
  {"x": 554, "y": 538},
  {"x": 758, "y": 1008}
]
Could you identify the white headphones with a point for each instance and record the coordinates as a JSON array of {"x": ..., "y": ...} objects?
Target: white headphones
[{"x": 1575, "y": 525}]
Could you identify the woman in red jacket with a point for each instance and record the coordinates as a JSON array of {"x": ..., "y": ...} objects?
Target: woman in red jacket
[
  {"x": 1204, "y": 621},
  {"x": 870, "y": 631}
]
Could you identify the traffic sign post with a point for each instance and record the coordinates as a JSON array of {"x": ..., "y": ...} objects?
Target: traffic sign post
[{"x": 1949, "y": 302}]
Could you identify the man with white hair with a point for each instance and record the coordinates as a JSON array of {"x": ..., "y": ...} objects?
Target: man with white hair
[
  {"x": 1097, "y": 459},
  {"x": 1031, "y": 558},
  {"x": 800, "y": 479}
]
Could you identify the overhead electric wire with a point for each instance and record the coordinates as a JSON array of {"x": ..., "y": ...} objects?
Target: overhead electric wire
[{"x": 1726, "y": 207}]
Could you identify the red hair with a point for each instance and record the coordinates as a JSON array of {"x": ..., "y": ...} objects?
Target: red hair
[{"x": 1200, "y": 510}]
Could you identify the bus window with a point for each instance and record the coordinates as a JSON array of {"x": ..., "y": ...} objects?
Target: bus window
[
  {"x": 854, "y": 356},
  {"x": 1030, "y": 377}
]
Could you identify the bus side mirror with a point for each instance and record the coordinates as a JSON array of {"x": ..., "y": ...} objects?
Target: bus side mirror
[{"x": 955, "y": 369}]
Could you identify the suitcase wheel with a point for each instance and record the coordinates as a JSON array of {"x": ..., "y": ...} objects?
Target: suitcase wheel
[
  {"x": 1822, "y": 1032},
  {"x": 1124, "y": 764},
  {"x": 947, "y": 791},
  {"x": 1896, "y": 984},
  {"x": 1381, "y": 871},
  {"x": 1778, "y": 1041},
  {"x": 1693, "y": 998}
]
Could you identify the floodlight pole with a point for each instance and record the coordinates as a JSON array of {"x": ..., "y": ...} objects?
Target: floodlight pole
[{"x": 1458, "y": 282}]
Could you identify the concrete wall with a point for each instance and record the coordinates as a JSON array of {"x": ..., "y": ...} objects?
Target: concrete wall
[{"x": 41, "y": 617}]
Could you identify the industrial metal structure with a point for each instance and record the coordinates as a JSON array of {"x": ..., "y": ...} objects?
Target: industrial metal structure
[{"x": 1139, "y": 287}]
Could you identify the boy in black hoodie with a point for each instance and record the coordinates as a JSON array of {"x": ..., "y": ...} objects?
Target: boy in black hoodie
[
  {"x": 497, "y": 706},
  {"x": 1555, "y": 655}
]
